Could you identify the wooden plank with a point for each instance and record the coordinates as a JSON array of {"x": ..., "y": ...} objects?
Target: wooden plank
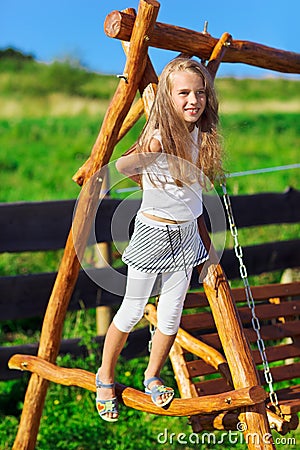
[
  {"x": 285, "y": 372},
  {"x": 264, "y": 292},
  {"x": 263, "y": 258},
  {"x": 267, "y": 291},
  {"x": 196, "y": 300},
  {"x": 269, "y": 311},
  {"x": 31, "y": 226},
  {"x": 25, "y": 296},
  {"x": 197, "y": 367},
  {"x": 211, "y": 387},
  {"x": 276, "y": 332},
  {"x": 289, "y": 399},
  {"x": 266, "y": 208},
  {"x": 201, "y": 321},
  {"x": 170, "y": 37},
  {"x": 264, "y": 312},
  {"x": 217, "y": 385},
  {"x": 279, "y": 373},
  {"x": 280, "y": 352}
]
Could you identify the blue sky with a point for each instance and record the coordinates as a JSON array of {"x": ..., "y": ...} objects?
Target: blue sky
[{"x": 57, "y": 29}]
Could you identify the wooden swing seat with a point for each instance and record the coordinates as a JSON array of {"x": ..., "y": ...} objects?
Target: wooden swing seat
[
  {"x": 201, "y": 370},
  {"x": 278, "y": 311}
]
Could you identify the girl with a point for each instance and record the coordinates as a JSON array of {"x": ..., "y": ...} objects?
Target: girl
[{"x": 177, "y": 151}]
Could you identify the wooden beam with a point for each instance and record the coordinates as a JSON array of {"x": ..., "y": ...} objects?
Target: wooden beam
[
  {"x": 218, "y": 54},
  {"x": 24, "y": 296},
  {"x": 237, "y": 351},
  {"x": 119, "y": 25},
  {"x": 40, "y": 226},
  {"x": 263, "y": 258},
  {"x": 86, "y": 208},
  {"x": 184, "y": 383},
  {"x": 137, "y": 399}
]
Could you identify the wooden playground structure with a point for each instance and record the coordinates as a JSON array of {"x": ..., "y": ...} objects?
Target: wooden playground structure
[{"x": 240, "y": 397}]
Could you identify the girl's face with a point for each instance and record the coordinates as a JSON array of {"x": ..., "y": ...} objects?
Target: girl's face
[{"x": 188, "y": 94}]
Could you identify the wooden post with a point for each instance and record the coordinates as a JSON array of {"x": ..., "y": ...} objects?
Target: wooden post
[
  {"x": 243, "y": 371},
  {"x": 237, "y": 351},
  {"x": 69, "y": 267},
  {"x": 238, "y": 355},
  {"x": 218, "y": 54}
]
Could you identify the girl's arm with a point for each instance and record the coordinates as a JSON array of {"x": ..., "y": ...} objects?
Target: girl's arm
[
  {"x": 129, "y": 164},
  {"x": 206, "y": 240},
  {"x": 132, "y": 162}
]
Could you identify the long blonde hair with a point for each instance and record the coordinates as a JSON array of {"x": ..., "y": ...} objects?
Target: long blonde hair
[{"x": 175, "y": 135}]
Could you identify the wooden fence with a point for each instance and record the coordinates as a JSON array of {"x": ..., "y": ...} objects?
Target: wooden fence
[{"x": 43, "y": 226}]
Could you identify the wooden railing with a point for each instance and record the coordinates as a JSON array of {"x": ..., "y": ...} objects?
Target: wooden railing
[{"x": 43, "y": 226}]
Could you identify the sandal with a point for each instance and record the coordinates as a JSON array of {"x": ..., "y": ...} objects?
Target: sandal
[
  {"x": 106, "y": 406},
  {"x": 157, "y": 391}
]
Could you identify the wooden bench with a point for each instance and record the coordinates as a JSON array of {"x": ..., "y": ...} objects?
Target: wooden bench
[{"x": 277, "y": 308}]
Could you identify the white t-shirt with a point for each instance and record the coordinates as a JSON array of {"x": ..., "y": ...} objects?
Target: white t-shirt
[{"x": 166, "y": 199}]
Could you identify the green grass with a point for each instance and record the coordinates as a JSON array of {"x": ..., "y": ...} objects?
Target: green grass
[
  {"x": 40, "y": 155},
  {"x": 49, "y": 119},
  {"x": 249, "y": 89},
  {"x": 261, "y": 141}
]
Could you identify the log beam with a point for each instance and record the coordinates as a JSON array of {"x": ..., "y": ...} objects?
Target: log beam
[
  {"x": 69, "y": 267},
  {"x": 136, "y": 399},
  {"x": 119, "y": 25},
  {"x": 238, "y": 354},
  {"x": 218, "y": 54}
]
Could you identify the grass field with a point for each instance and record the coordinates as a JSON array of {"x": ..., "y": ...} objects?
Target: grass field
[{"x": 49, "y": 119}]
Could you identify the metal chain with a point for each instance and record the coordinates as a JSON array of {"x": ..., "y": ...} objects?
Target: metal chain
[
  {"x": 152, "y": 329},
  {"x": 255, "y": 321}
]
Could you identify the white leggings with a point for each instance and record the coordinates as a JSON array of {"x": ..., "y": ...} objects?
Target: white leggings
[{"x": 138, "y": 290}]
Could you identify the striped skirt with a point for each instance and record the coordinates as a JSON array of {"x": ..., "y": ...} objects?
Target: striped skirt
[{"x": 157, "y": 247}]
